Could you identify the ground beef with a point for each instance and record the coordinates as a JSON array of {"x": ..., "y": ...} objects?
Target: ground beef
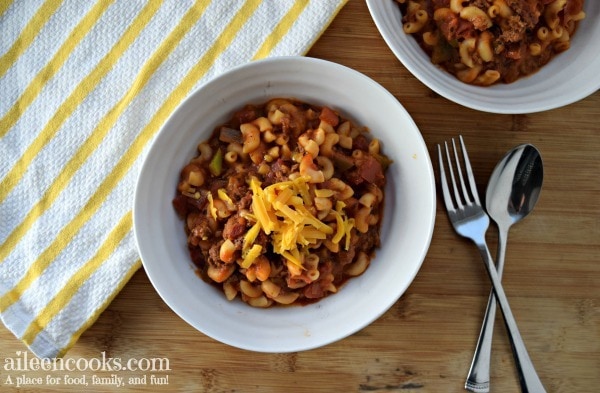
[
  {"x": 213, "y": 254},
  {"x": 483, "y": 4},
  {"x": 279, "y": 172},
  {"x": 200, "y": 231},
  {"x": 235, "y": 227},
  {"x": 528, "y": 10},
  {"x": 512, "y": 30}
]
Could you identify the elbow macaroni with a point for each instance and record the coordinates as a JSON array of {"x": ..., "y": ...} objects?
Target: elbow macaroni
[
  {"x": 286, "y": 214},
  {"x": 484, "y": 44}
]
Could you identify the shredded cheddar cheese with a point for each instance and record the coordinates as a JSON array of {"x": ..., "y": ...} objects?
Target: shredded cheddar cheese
[
  {"x": 251, "y": 255},
  {"x": 211, "y": 206},
  {"x": 225, "y": 198},
  {"x": 251, "y": 236},
  {"x": 341, "y": 228},
  {"x": 280, "y": 210}
]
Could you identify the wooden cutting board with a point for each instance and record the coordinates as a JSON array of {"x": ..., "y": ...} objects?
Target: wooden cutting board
[{"x": 424, "y": 343}]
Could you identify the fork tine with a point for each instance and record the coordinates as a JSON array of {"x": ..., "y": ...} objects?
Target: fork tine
[
  {"x": 444, "y": 182},
  {"x": 469, "y": 170},
  {"x": 450, "y": 166},
  {"x": 457, "y": 160}
]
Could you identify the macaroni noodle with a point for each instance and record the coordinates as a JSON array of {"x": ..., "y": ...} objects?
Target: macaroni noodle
[{"x": 483, "y": 42}]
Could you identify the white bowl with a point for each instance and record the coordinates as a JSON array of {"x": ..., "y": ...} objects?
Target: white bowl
[
  {"x": 406, "y": 229},
  {"x": 569, "y": 77}
]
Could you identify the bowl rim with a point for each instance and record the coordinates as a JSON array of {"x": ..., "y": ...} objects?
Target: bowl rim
[
  {"x": 517, "y": 99},
  {"x": 289, "y": 62}
]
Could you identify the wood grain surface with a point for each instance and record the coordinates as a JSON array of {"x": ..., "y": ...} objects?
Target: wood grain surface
[{"x": 424, "y": 343}]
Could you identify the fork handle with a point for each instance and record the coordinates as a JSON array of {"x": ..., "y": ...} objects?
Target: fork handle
[
  {"x": 528, "y": 378},
  {"x": 478, "y": 379}
]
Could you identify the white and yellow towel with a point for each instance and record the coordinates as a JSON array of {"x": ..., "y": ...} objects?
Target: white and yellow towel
[{"x": 84, "y": 88}]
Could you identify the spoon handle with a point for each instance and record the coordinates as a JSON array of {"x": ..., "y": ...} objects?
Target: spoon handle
[
  {"x": 478, "y": 379},
  {"x": 528, "y": 378}
]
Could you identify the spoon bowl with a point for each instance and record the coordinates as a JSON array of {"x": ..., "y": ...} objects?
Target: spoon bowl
[{"x": 514, "y": 186}]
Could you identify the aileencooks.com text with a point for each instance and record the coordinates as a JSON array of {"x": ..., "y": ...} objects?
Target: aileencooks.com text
[{"x": 24, "y": 362}]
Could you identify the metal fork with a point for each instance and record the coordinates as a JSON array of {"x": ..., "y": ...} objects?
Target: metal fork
[{"x": 470, "y": 220}]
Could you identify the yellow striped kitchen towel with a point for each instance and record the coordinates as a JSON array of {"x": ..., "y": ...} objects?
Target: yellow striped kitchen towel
[{"x": 84, "y": 88}]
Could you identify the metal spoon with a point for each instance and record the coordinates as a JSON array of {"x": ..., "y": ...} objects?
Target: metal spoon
[{"x": 512, "y": 192}]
